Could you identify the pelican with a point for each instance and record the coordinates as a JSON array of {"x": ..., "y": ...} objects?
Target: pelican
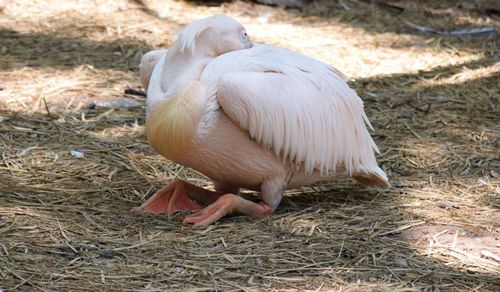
[{"x": 250, "y": 116}]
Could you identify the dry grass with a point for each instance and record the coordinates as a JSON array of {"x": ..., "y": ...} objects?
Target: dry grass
[{"x": 65, "y": 222}]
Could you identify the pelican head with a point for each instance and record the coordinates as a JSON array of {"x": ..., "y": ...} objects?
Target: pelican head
[{"x": 213, "y": 36}]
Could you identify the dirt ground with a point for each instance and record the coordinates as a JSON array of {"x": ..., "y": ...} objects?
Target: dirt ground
[{"x": 74, "y": 160}]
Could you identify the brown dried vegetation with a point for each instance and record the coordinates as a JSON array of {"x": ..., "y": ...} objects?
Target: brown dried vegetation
[{"x": 65, "y": 222}]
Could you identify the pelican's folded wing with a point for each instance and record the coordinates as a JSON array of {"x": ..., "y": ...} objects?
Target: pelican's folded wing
[{"x": 312, "y": 118}]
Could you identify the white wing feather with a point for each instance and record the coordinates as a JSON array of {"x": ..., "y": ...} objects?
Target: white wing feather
[{"x": 301, "y": 108}]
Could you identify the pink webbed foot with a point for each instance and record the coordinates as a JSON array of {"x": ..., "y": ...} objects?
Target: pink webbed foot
[
  {"x": 170, "y": 199},
  {"x": 226, "y": 205}
]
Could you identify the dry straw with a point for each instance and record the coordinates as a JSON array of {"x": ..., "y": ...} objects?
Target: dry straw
[{"x": 71, "y": 169}]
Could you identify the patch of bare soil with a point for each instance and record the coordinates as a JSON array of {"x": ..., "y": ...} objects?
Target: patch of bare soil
[{"x": 457, "y": 239}]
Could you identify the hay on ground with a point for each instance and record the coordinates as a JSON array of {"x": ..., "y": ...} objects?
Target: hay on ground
[{"x": 74, "y": 160}]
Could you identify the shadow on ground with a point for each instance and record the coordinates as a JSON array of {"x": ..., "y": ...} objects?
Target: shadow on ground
[{"x": 51, "y": 50}]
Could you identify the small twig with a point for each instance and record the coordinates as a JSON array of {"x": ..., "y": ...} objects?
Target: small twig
[
  {"x": 223, "y": 242},
  {"x": 51, "y": 117},
  {"x": 460, "y": 32},
  {"x": 386, "y": 5},
  {"x": 24, "y": 281},
  {"x": 344, "y": 5},
  {"x": 435, "y": 236},
  {"x": 412, "y": 131},
  {"x": 489, "y": 255},
  {"x": 425, "y": 110},
  {"x": 341, "y": 249},
  {"x": 134, "y": 245},
  {"x": 66, "y": 238},
  {"x": 399, "y": 229},
  {"x": 133, "y": 91},
  {"x": 49, "y": 114},
  {"x": 4, "y": 249}
]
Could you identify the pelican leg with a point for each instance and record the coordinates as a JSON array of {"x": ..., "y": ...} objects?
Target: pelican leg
[
  {"x": 226, "y": 205},
  {"x": 229, "y": 204},
  {"x": 178, "y": 196}
]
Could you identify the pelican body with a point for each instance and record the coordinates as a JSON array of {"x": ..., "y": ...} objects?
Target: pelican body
[{"x": 249, "y": 116}]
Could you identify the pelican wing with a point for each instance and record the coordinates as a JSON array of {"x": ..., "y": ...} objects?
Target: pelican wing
[{"x": 299, "y": 107}]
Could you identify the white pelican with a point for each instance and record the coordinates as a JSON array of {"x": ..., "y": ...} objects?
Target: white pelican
[{"x": 249, "y": 116}]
